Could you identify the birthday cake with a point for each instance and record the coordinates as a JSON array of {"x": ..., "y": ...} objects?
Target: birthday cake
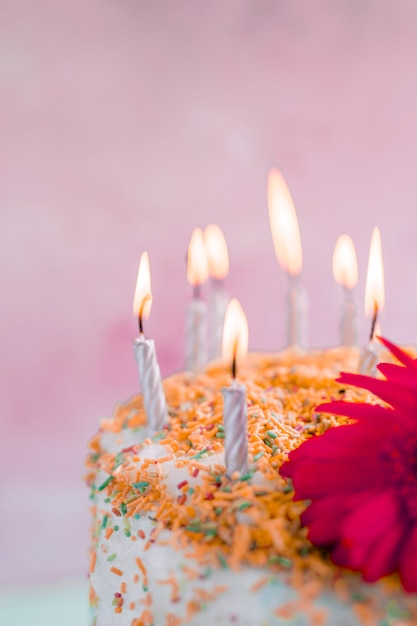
[{"x": 176, "y": 541}]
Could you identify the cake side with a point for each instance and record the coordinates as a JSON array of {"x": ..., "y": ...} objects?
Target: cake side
[{"x": 177, "y": 542}]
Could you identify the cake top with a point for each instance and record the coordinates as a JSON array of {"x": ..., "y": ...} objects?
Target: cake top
[{"x": 179, "y": 478}]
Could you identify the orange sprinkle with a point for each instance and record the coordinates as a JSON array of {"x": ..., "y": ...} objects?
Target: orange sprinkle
[
  {"x": 141, "y": 566},
  {"x": 191, "y": 573},
  {"x": 94, "y": 443},
  {"x": 286, "y": 610},
  {"x": 123, "y": 587},
  {"x": 259, "y": 583},
  {"x": 200, "y": 466},
  {"x": 132, "y": 606},
  {"x": 141, "y": 534},
  {"x": 136, "y": 578},
  {"x": 193, "y": 606},
  {"x": 116, "y": 571},
  {"x": 147, "y": 601},
  {"x": 93, "y": 559},
  {"x": 109, "y": 532},
  {"x": 146, "y": 618},
  {"x": 118, "y": 609},
  {"x": 165, "y": 459},
  {"x": 318, "y": 618}
]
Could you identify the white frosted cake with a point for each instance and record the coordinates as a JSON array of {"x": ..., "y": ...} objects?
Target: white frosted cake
[{"x": 176, "y": 542}]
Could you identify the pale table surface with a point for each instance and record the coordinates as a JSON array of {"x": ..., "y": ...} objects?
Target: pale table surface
[{"x": 63, "y": 603}]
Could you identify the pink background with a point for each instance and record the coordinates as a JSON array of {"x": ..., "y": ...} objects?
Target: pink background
[{"x": 123, "y": 125}]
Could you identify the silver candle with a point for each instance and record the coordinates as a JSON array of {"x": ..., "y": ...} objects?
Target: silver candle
[
  {"x": 348, "y": 321},
  {"x": 235, "y": 421},
  {"x": 287, "y": 244},
  {"x": 345, "y": 272},
  {"x": 235, "y": 345},
  {"x": 218, "y": 297},
  {"x": 196, "y": 318},
  {"x": 144, "y": 349},
  {"x": 374, "y": 302},
  {"x": 196, "y": 336},
  {"x": 151, "y": 383},
  {"x": 296, "y": 314},
  {"x": 217, "y": 304}
]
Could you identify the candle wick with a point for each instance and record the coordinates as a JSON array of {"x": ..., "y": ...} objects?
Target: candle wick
[
  {"x": 217, "y": 283},
  {"x": 142, "y": 306},
  {"x": 374, "y": 318},
  {"x": 197, "y": 292},
  {"x": 348, "y": 293},
  {"x": 234, "y": 366}
]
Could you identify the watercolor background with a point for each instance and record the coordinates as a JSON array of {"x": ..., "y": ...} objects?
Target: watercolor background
[{"x": 124, "y": 124}]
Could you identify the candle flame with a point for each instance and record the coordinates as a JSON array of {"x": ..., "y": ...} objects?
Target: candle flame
[
  {"x": 345, "y": 264},
  {"x": 374, "y": 289},
  {"x": 197, "y": 266},
  {"x": 284, "y": 224},
  {"x": 235, "y": 332},
  {"x": 217, "y": 254},
  {"x": 142, "y": 300}
]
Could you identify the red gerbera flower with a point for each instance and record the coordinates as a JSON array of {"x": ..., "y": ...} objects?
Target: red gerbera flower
[{"x": 361, "y": 478}]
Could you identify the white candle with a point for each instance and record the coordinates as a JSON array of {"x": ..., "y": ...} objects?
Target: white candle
[
  {"x": 296, "y": 314},
  {"x": 149, "y": 373},
  {"x": 374, "y": 302},
  {"x": 345, "y": 272},
  {"x": 196, "y": 336},
  {"x": 287, "y": 245},
  {"x": 196, "y": 319},
  {"x": 235, "y": 344},
  {"x": 150, "y": 377},
  {"x": 235, "y": 421},
  {"x": 348, "y": 321},
  {"x": 218, "y": 297},
  {"x": 217, "y": 305}
]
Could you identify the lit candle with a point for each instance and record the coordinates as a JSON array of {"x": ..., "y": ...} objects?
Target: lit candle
[
  {"x": 218, "y": 263},
  {"x": 235, "y": 345},
  {"x": 287, "y": 245},
  {"x": 196, "y": 322},
  {"x": 374, "y": 302},
  {"x": 345, "y": 272},
  {"x": 149, "y": 372}
]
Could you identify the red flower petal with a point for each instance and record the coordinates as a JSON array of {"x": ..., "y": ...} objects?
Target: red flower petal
[
  {"x": 398, "y": 374},
  {"x": 395, "y": 395},
  {"x": 408, "y": 562},
  {"x": 369, "y": 412},
  {"x": 366, "y": 528},
  {"x": 325, "y": 516},
  {"x": 400, "y": 354},
  {"x": 349, "y": 442},
  {"x": 315, "y": 480},
  {"x": 382, "y": 558}
]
